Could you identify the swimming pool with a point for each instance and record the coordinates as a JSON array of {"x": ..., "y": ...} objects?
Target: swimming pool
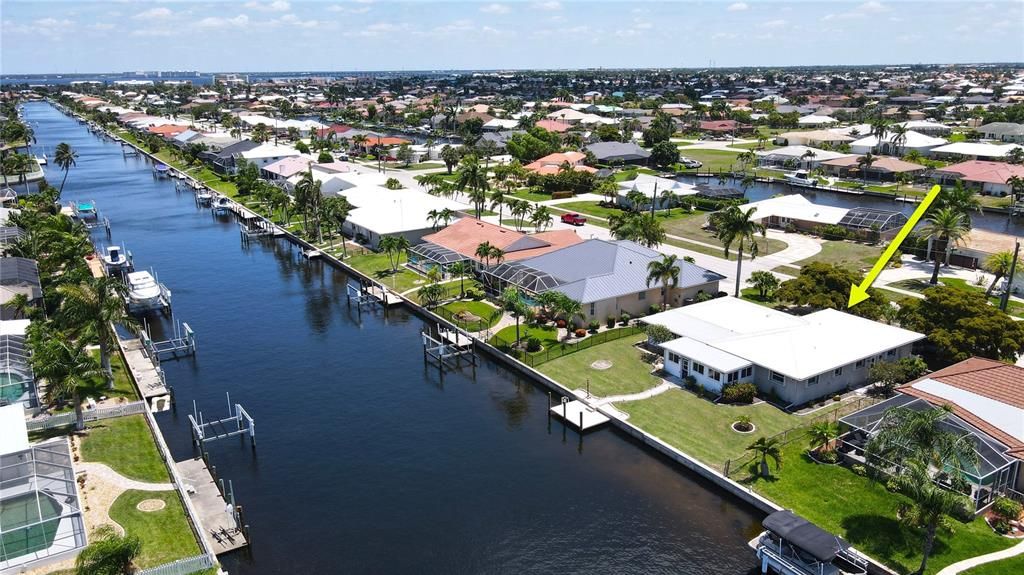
[{"x": 14, "y": 388}]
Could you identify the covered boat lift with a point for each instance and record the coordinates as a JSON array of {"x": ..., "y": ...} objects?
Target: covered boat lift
[{"x": 792, "y": 545}]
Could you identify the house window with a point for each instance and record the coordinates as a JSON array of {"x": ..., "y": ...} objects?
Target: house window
[
  {"x": 812, "y": 380},
  {"x": 698, "y": 367},
  {"x": 776, "y": 376},
  {"x": 733, "y": 376},
  {"x": 641, "y": 296},
  {"x": 593, "y": 308},
  {"x": 747, "y": 371},
  {"x": 714, "y": 375},
  {"x": 673, "y": 357},
  {"x": 838, "y": 371},
  {"x": 860, "y": 363},
  {"x": 891, "y": 353}
]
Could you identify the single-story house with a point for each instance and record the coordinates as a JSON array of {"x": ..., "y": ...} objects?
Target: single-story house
[
  {"x": 224, "y": 160},
  {"x": 266, "y": 154},
  {"x": 608, "y": 277},
  {"x": 796, "y": 156},
  {"x": 498, "y": 124},
  {"x": 18, "y": 276},
  {"x": 794, "y": 210},
  {"x": 813, "y": 137},
  {"x": 796, "y": 358},
  {"x": 459, "y": 242},
  {"x": 915, "y": 141},
  {"x": 974, "y": 150},
  {"x": 1003, "y": 131},
  {"x": 622, "y": 152},
  {"x": 654, "y": 188},
  {"x": 927, "y": 127},
  {"x": 883, "y": 168},
  {"x": 553, "y": 126},
  {"x": 719, "y": 126},
  {"x": 987, "y": 402},
  {"x": 990, "y": 177},
  {"x": 552, "y": 163},
  {"x": 286, "y": 168},
  {"x": 382, "y": 212},
  {"x": 811, "y": 120}
]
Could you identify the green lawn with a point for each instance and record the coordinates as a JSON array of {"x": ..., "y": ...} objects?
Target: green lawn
[
  {"x": 377, "y": 266},
  {"x": 704, "y": 429},
  {"x": 200, "y": 171},
  {"x": 483, "y": 310},
  {"x": 590, "y": 209},
  {"x": 526, "y": 194},
  {"x": 97, "y": 387},
  {"x": 750, "y": 146},
  {"x": 165, "y": 534},
  {"x": 548, "y": 336},
  {"x": 690, "y": 226},
  {"x": 126, "y": 445},
  {"x": 628, "y": 373},
  {"x": 1014, "y": 308},
  {"x": 844, "y": 253},
  {"x": 713, "y": 160},
  {"x": 1004, "y": 567},
  {"x": 864, "y": 513}
]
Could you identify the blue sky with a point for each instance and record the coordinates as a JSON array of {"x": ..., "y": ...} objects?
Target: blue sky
[{"x": 284, "y": 35}]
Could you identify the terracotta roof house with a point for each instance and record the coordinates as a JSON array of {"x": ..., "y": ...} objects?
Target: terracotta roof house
[
  {"x": 553, "y": 126},
  {"x": 883, "y": 167},
  {"x": 336, "y": 129},
  {"x": 990, "y": 177},
  {"x": 986, "y": 402},
  {"x": 167, "y": 130},
  {"x": 550, "y": 164},
  {"x": 718, "y": 126},
  {"x": 286, "y": 167}
]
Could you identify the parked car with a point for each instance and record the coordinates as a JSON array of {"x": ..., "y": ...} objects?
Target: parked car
[
  {"x": 573, "y": 219},
  {"x": 690, "y": 163}
]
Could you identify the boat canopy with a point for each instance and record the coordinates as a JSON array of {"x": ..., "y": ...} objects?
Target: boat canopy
[{"x": 801, "y": 533}]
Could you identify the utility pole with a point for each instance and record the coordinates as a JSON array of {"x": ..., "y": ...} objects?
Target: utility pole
[{"x": 1005, "y": 299}]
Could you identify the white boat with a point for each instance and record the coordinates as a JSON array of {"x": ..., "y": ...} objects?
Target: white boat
[
  {"x": 802, "y": 177},
  {"x": 41, "y": 160},
  {"x": 161, "y": 170},
  {"x": 791, "y": 545},
  {"x": 204, "y": 196},
  {"x": 116, "y": 259},
  {"x": 222, "y": 205},
  {"x": 85, "y": 209},
  {"x": 145, "y": 293}
]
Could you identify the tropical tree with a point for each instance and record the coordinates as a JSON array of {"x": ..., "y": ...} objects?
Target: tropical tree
[
  {"x": 541, "y": 217},
  {"x": 260, "y": 134},
  {"x": 997, "y": 264},
  {"x": 930, "y": 506},
  {"x": 450, "y": 157},
  {"x": 65, "y": 158},
  {"x": 733, "y": 225},
  {"x": 308, "y": 196},
  {"x": 498, "y": 200},
  {"x": 473, "y": 176},
  {"x": 864, "y": 163},
  {"x": 520, "y": 209},
  {"x": 336, "y": 210},
  {"x": 920, "y": 435},
  {"x": 765, "y": 282},
  {"x": 765, "y": 449},
  {"x": 393, "y": 246},
  {"x": 959, "y": 199},
  {"x": 666, "y": 272},
  {"x": 512, "y": 301},
  {"x": 461, "y": 269},
  {"x": 109, "y": 553},
  {"x": 91, "y": 307},
  {"x": 484, "y": 250},
  {"x": 430, "y": 294},
  {"x": 946, "y": 226},
  {"x": 68, "y": 369},
  {"x": 822, "y": 435},
  {"x": 642, "y": 228},
  {"x": 899, "y": 137},
  {"x": 569, "y": 309},
  {"x": 879, "y": 128}
]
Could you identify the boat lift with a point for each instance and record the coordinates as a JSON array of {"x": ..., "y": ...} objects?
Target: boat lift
[
  {"x": 448, "y": 349},
  {"x": 92, "y": 219},
  {"x": 181, "y": 344},
  {"x": 204, "y": 431},
  {"x": 128, "y": 150}
]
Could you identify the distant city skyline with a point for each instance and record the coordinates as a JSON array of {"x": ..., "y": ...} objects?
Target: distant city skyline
[{"x": 47, "y": 37}]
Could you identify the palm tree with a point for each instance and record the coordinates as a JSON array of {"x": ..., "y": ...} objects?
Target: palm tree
[
  {"x": 309, "y": 197},
  {"x": 541, "y": 217},
  {"x": 997, "y": 264},
  {"x": 668, "y": 199},
  {"x": 431, "y": 294},
  {"x": 67, "y": 368},
  {"x": 666, "y": 272},
  {"x": 461, "y": 269},
  {"x": 336, "y": 210},
  {"x": 808, "y": 156},
  {"x": 822, "y": 434},
  {"x": 879, "y": 128},
  {"x": 389, "y": 245},
  {"x": 959, "y": 199},
  {"x": 520, "y": 209},
  {"x": 907, "y": 434},
  {"x": 569, "y": 309},
  {"x": 65, "y": 158},
  {"x": 733, "y": 225},
  {"x": 109, "y": 553},
  {"x": 931, "y": 504},
  {"x": 512, "y": 302},
  {"x": 864, "y": 163},
  {"x": 498, "y": 200},
  {"x": 473, "y": 176},
  {"x": 483, "y": 252},
  {"x": 948, "y": 226},
  {"x": 899, "y": 137},
  {"x": 260, "y": 133},
  {"x": 767, "y": 448},
  {"x": 642, "y": 228},
  {"x": 495, "y": 253},
  {"x": 93, "y": 306}
]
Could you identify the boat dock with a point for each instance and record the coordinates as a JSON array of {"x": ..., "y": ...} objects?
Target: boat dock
[
  {"x": 578, "y": 414},
  {"x": 220, "y": 521},
  {"x": 147, "y": 375},
  {"x": 385, "y": 296}
]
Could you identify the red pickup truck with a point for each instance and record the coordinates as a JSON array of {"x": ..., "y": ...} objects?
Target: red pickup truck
[{"x": 573, "y": 219}]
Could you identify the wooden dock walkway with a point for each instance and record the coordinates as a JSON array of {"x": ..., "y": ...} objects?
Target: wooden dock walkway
[
  {"x": 150, "y": 383},
  {"x": 213, "y": 513},
  {"x": 579, "y": 414}
]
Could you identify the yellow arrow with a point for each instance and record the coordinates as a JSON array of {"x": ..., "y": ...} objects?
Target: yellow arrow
[{"x": 859, "y": 293}]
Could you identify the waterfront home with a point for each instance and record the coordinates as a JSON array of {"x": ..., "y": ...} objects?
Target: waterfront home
[
  {"x": 266, "y": 154},
  {"x": 987, "y": 177},
  {"x": 794, "y": 211},
  {"x": 883, "y": 168},
  {"x": 552, "y": 163},
  {"x": 974, "y": 151},
  {"x": 927, "y": 127},
  {"x": 796, "y": 156},
  {"x": 609, "y": 277},
  {"x": 619, "y": 152},
  {"x": 382, "y": 212},
  {"x": 814, "y": 120},
  {"x": 986, "y": 398},
  {"x": 17, "y": 381},
  {"x": 813, "y": 137},
  {"x": 18, "y": 276},
  {"x": 224, "y": 160},
  {"x": 885, "y": 145},
  {"x": 459, "y": 242},
  {"x": 286, "y": 168},
  {"x": 797, "y": 359},
  {"x": 42, "y": 520},
  {"x": 653, "y": 187},
  {"x": 1003, "y": 131}
]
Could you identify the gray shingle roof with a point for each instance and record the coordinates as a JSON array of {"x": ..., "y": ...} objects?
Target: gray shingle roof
[{"x": 618, "y": 151}]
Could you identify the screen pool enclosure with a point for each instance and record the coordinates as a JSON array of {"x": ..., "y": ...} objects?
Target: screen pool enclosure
[
  {"x": 868, "y": 219},
  {"x": 17, "y": 383},
  {"x": 39, "y": 504}
]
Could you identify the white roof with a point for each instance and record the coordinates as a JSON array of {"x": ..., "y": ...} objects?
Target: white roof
[
  {"x": 646, "y": 184},
  {"x": 1007, "y": 418},
  {"x": 798, "y": 347},
  {"x": 914, "y": 140},
  {"x": 13, "y": 433},
  {"x": 797, "y": 152},
  {"x": 270, "y": 150},
  {"x": 501, "y": 124},
  {"x": 795, "y": 207},
  {"x": 815, "y": 120},
  {"x": 976, "y": 149},
  {"x": 389, "y": 211},
  {"x": 924, "y": 125},
  {"x": 712, "y": 357}
]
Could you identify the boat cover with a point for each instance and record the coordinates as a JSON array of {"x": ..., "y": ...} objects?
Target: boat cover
[{"x": 801, "y": 533}]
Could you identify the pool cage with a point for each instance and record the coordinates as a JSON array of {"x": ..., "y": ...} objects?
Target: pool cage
[
  {"x": 867, "y": 220},
  {"x": 427, "y": 256},
  {"x": 17, "y": 382},
  {"x": 40, "y": 516},
  {"x": 994, "y": 473},
  {"x": 529, "y": 280},
  {"x": 9, "y": 235}
]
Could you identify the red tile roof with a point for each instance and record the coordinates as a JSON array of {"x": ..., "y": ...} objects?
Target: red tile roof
[
  {"x": 551, "y": 163},
  {"x": 718, "y": 125},
  {"x": 985, "y": 172},
  {"x": 552, "y": 125},
  {"x": 466, "y": 234}
]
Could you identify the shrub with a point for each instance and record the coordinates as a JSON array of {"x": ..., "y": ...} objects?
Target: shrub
[
  {"x": 657, "y": 334},
  {"x": 652, "y": 310},
  {"x": 859, "y": 469},
  {"x": 1001, "y": 526},
  {"x": 832, "y": 232},
  {"x": 743, "y": 423},
  {"x": 561, "y": 195},
  {"x": 594, "y": 326},
  {"x": 738, "y": 392},
  {"x": 560, "y": 323},
  {"x": 610, "y": 321},
  {"x": 827, "y": 456},
  {"x": 1007, "y": 508},
  {"x": 624, "y": 318},
  {"x": 836, "y": 398},
  {"x": 690, "y": 382},
  {"x": 581, "y": 332},
  {"x": 533, "y": 345}
]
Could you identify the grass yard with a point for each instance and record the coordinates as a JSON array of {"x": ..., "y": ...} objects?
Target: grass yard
[
  {"x": 126, "y": 445},
  {"x": 864, "y": 513},
  {"x": 704, "y": 429},
  {"x": 548, "y": 336},
  {"x": 165, "y": 534},
  {"x": 483, "y": 310},
  {"x": 1014, "y": 308},
  {"x": 590, "y": 209},
  {"x": 97, "y": 387},
  {"x": 526, "y": 194},
  {"x": 755, "y": 146},
  {"x": 689, "y": 226},
  {"x": 713, "y": 160},
  {"x": 377, "y": 266},
  {"x": 628, "y": 373},
  {"x": 1004, "y": 567},
  {"x": 847, "y": 254}
]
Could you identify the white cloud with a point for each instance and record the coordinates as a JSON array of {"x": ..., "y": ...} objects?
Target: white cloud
[
  {"x": 381, "y": 29},
  {"x": 873, "y": 7},
  {"x": 738, "y": 7},
  {"x": 495, "y": 9},
  {"x": 100, "y": 26},
  {"x": 724, "y": 36},
  {"x": 275, "y": 6},
  {"x": 239, "y": 21},
  {"x": 293, "y": 20},
  {"x": 772, "y": 24},
  {"x": 549, "y": 6},
  {"x": 154, "y": 14},
  {"x": 341, "y": 9},
  {"x": 861, "y": 11}
]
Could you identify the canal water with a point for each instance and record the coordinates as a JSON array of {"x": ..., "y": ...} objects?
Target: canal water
[{"x": 367, "y": 462}]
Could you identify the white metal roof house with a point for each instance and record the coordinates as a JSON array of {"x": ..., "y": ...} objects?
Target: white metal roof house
[
  {"x": 799, "y": 359},
  {"x": 796, "y": 155},
  {"x": 653, "y": 187},
  {"x": 796, "y": 210},
  {"x": 915, "y": 141}
]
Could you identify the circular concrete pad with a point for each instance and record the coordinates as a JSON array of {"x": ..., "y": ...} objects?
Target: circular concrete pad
[
  {"x": 150, "y": 505},
  {"x": 601, "y": 364}
]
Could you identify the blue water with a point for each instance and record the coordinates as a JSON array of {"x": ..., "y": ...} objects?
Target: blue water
[{"x": 367, "y": 462}]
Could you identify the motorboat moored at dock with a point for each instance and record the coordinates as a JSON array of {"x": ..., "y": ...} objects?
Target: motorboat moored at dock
[
  {"x": 162, "y": 170},
  {"x": 792, "y": 545},
  {"x": 145, "y": 293},
  {"x": 117, "y": 260}
]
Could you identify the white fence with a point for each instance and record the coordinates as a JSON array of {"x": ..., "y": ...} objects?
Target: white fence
[
  {"x": 185, "y": 566},
  {"x": 64, "y": 419}
]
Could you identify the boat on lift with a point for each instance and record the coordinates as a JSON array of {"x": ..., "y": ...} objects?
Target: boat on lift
[
  {"x": 162, "y": 171},
  {"x": 801, "y": 178},
  {"x": 145, "y": 293},
  {"x": 204, "y": 196},
  {"x": 85, "y": 210},
  {"x": 117, "y": 260},
  {"x": 222, "y": 205}
]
